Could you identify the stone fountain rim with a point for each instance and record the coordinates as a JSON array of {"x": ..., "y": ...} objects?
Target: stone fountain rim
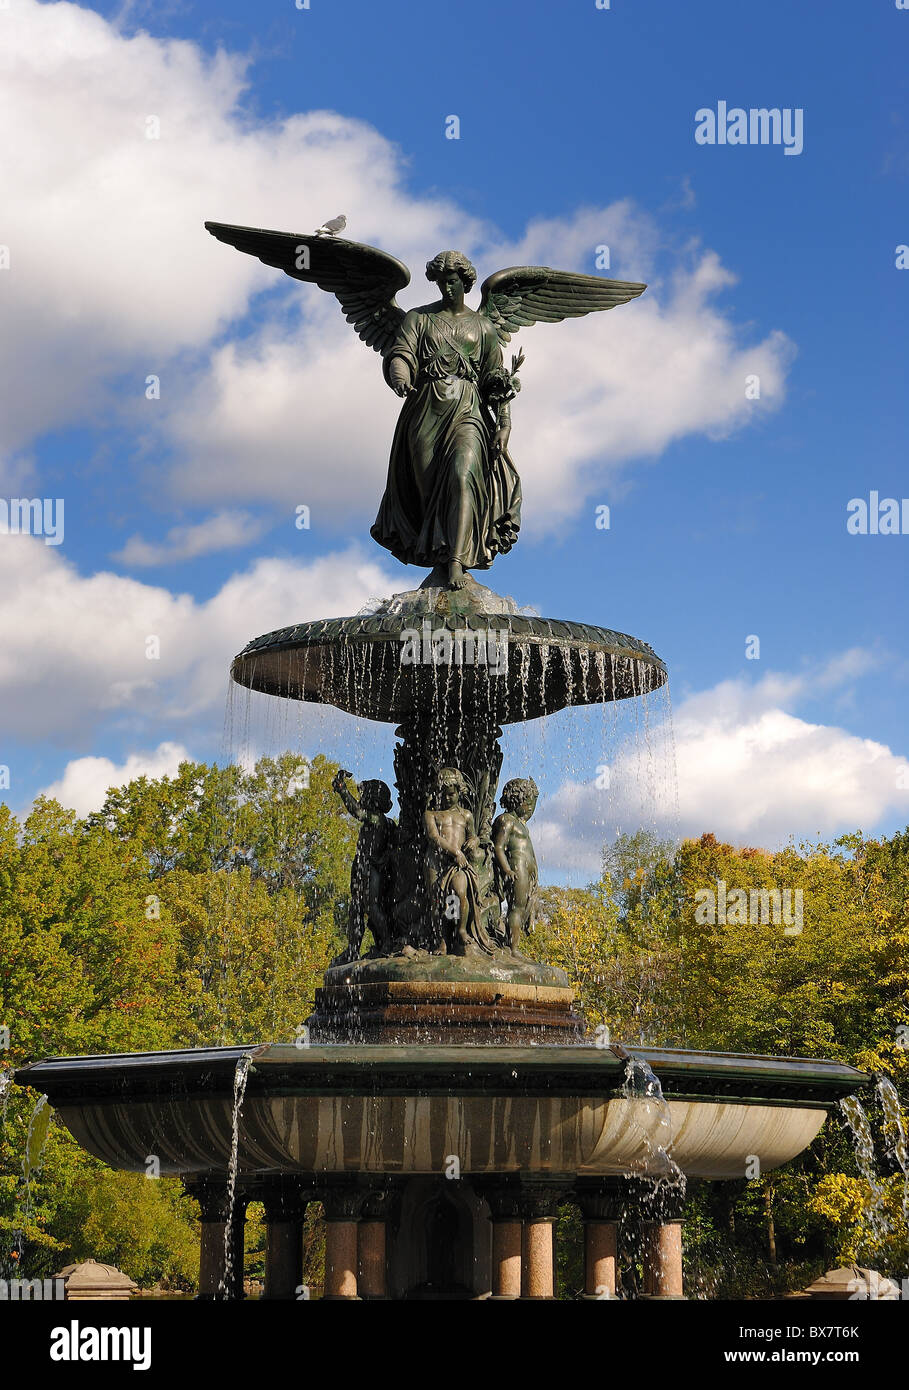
[
  {"x": 584, "y": 1069},
  {"x": 388, "y": 627}
]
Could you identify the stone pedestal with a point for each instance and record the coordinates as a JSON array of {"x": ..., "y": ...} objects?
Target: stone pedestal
[
  {"x": 285, "y": 1208},
  {"x": 663, "y": 1260},
  {"x": 507, "y": 1238},
  {"x": 371, "y": 1245},
  {"x": 438, "y": 1000},
  {"x": 538, "y": 1208},
  {"x": 216, "y": 1280},
  {"x": 342, "y": 1217},
  {"x": 601, "y": 1205}
]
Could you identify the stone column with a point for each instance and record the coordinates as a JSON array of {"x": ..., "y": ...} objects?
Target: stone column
[
  {"x": 214, "y": 1283},
  {"x": 663, "y": 1260},
  {"x": 285, "y": 1206},
  {"x": 373, "y": 1283},
  {"x": 507, "y": 1239},
  {"x": 599, "y": 1202},
  {"x": 538, "y": 1207},
  {"x": 661, "y": 1211},
  {"x": 342, "y": 1215}
]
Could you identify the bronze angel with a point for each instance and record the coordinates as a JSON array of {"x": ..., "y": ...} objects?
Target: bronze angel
[{"x": 453, "y": 497}]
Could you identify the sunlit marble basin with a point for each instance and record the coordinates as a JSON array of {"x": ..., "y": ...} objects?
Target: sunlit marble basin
[{"x": 534, "y": 1111}]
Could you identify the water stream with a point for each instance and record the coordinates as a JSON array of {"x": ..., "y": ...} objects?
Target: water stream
[
  {"x": 895, "y": 1132},
  {"x": 241, "y": 1075}
]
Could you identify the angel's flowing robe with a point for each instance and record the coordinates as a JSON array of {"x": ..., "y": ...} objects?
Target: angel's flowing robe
[{"x": 442, "y": 468}]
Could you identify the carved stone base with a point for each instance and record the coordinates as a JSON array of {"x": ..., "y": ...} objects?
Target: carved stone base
[{"x": 445, "y": 1000}]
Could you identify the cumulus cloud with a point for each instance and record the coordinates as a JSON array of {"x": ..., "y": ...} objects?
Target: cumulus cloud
[
  {"x": 86, "y": 781},
  {"x": 223, "y": 531},
  {"x": 748, "y": 768},
  {"x": 79, "y": 658},
  {"x": 126, "y": 144},
  {"x": 598, "y": 392}
]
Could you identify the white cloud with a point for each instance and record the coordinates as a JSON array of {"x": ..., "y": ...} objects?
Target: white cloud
[
  {"x": 748, "y": 769},
  {"x": 113, "y": 278},
  {"x": 598, "y": 392},
  {"x": 74, "y": 649},
  {"x": 112, "y": 274},
  {"x": 223, "y": 531},
  {"x": 85, "y": 781}
]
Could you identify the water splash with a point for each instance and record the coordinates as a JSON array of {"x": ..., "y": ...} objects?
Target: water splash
[
  {"x": 642, "y": 1086},
  {"x": 863, "y": 1143},
  {"x": 241, "y": 1075},
  {"x": 32, "y": 1163},
  {"x": 895, "y": 1131},
  {"x": 6, "y": 1086}
]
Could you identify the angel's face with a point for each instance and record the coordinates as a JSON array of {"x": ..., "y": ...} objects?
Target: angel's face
[{"x": 451, "y": 287}]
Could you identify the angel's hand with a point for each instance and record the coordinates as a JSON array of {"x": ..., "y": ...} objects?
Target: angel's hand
[
  {"x": 399, "y": 377},
  {"x": 500, "y": 440}
]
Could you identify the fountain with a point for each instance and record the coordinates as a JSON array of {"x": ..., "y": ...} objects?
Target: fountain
[{"x": 443, "y": 1098}]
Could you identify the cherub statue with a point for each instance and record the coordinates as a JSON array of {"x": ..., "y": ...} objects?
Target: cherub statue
[
  {"x": 369, "y": 874},
  {"x": 451, "y": 878},
  {"x": 453, "y": 497},
  {"x": 515, "y": 859}
]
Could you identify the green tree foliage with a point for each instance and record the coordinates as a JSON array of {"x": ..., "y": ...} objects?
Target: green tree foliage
[
  {"x": 203, "y": 908},
  {"x": 190, "y": 910}
]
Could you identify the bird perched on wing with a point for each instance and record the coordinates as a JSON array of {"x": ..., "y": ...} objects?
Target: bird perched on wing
[{"x": 332, "y": 226}]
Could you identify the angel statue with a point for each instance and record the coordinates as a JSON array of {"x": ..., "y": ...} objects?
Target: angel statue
[{"x": 453, "y": 497}]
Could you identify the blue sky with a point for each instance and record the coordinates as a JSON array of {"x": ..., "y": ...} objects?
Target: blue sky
[{"x": 577, "y": 129}]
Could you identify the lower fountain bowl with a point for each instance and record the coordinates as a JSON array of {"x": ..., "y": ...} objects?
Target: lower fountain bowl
[{"x": 544, "y": 1112}]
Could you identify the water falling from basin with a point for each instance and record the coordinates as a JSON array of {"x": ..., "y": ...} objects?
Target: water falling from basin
[{"x": 231, "y": 1240}]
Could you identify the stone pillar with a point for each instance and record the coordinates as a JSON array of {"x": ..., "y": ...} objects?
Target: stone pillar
[
  {"x": 663, "y": 1260},
  {"x": 285, "y": 1206},
  {"x": 371, "y": 1243},
  {"x": 599, "y": 1202},
  {"x": 507, "y": 1239},
  {"x": 342, "y": 1215},
  {"x": 538, "y": 1207},
  {"x": 661, "y": 1213},
  {"x": 214, "y": 1283}
]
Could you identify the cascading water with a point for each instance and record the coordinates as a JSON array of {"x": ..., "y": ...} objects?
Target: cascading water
[
  {"x": 6, "y": 1085},
  {"x": 895, "y": 1132},
  {"x": 241, "y": 1075},
  {"x": 642, "y": 1085},
  {"x": 863, "y": 1144}
]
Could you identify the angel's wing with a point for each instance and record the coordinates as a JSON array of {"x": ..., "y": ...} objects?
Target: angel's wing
[
  {"x": 526, "y": 294},
  {"x": 363, "y": 279}
]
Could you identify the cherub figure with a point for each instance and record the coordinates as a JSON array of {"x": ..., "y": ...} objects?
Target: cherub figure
[
  {"x": 515, "y": 859},
  {"x": 451, "y": 878},
  {"x": 369, "y": 874}
]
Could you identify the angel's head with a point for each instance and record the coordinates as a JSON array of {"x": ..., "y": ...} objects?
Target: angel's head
[{"x": 447, "y": 265}]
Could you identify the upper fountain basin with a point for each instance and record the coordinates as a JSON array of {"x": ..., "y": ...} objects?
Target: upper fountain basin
[{"x": 434, "y": 650}]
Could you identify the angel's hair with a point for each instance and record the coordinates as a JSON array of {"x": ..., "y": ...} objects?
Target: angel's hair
[
  {"x": 451, "y": 260},
  {"x": 518, "y": 791}
]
